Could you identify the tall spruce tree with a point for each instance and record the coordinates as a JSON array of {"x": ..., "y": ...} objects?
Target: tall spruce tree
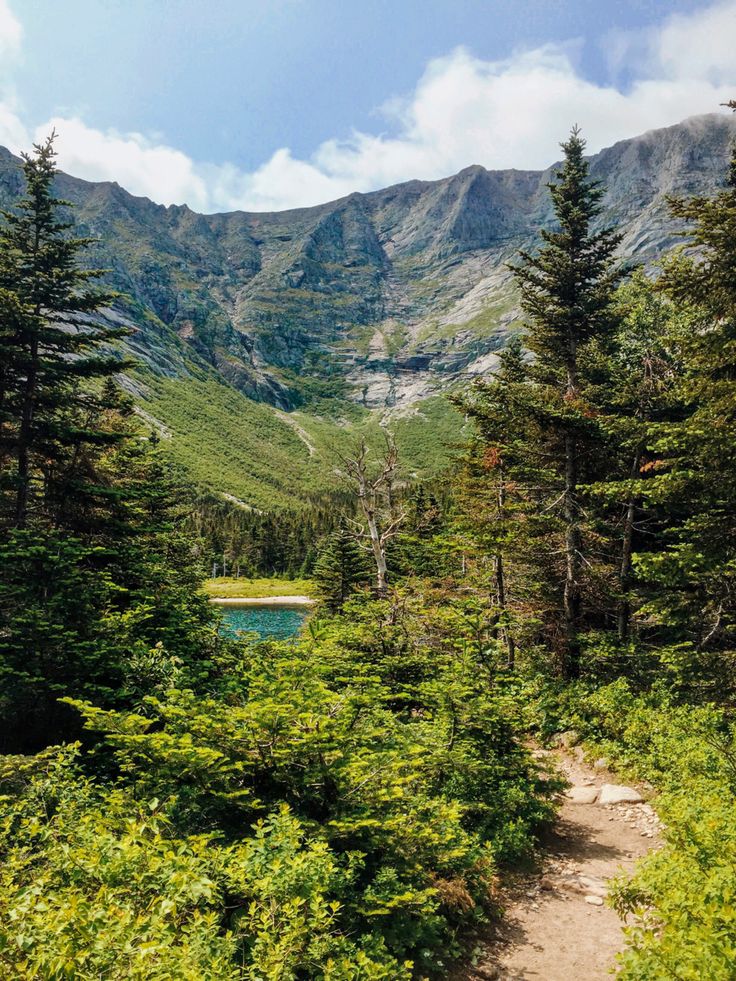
[
  {"x": 635, "y": 390},
  {"x": 492, "y": 488},
  {"x": 49, "y": 344},
  {"x": 94, "y": 581},
  {"x": 694, "y": 578},
  {"x": 567, "y": 294}
]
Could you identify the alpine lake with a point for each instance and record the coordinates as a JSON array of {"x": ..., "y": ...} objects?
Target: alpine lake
[{"x": 274, "y": 622}]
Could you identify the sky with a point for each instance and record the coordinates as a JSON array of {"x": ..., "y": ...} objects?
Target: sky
[{"x": 269, "y": 104}]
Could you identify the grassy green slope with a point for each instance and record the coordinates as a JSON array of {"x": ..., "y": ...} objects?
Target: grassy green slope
[{"x": 268, "y": 459}]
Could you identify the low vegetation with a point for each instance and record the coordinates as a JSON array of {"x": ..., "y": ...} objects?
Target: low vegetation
[{"x": 227, "y": 443}]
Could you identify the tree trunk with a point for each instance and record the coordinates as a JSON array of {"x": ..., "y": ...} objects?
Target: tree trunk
[
  {"x": 379, "y": 554},
  {"x": 501, "y": 579},
  {"x": 573, "y": 543},
  {"x": 24, "y": 439},
  {"x": 29, "y": 405},
  {"x": 624, "y": 606},
  {"x": 501, "y": 596},
  {"x": 571, "y": 600}
]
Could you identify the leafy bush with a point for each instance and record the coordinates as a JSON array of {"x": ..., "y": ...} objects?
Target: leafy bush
[
  {"x": 332, "y": 810},
  {"x": 97, "y": 884}
]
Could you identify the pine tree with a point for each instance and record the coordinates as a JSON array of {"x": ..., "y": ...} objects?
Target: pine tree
[
  {"x": 567, "y": 295},
  {"x": 341, "y": 567},
  {"x": 694, "y": 577},
  {"x": 49, "y": 344}
]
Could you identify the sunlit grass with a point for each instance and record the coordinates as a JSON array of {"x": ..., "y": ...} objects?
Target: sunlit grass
[{"x": 227, "y": 588}]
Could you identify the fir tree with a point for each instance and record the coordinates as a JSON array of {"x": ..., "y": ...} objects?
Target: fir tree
[
  {"x": 694, "y": 578},
  {"x": 341, "y": 567},
  {"x": 48, "y": 345},
  {"x": 635, "y": 388},
  {"x": 492, "y": 477},
  {"x": 567, "y": 294},
  {"x": 93, "y": 574}
]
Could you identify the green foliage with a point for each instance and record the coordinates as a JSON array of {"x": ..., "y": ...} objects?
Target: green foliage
[
  {"x": 341, "y": 567},
  {"x": 333, "y": 810},
  {"x": 100, "y": 884},
  {"x": 53, "y": 597},
  {"x": 229, "y": 444}
]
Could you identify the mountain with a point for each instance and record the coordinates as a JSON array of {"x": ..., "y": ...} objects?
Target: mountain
[{"x": 377, "y": 301}]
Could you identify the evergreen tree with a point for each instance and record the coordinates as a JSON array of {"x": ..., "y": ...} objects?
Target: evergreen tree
[
  {"x": 694, "y": 578},
  {"x": 567, "y": 294},
  {"x": 93, "y": 574},
  {"x": 494, "y": 484},
  {"x": 340, "y": 568},
  {"x": 635, "y": 389},
  {"x": 49, "y": 344}
]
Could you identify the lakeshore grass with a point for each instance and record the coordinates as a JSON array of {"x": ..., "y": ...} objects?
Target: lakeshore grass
[{"x": 231, "y": 588}]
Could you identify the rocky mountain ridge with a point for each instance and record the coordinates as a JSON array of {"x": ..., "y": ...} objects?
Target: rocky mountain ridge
[{"x": 383, "y": 298}]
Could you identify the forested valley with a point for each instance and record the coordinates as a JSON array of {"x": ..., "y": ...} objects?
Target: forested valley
[{"x": 179, "y": 804}]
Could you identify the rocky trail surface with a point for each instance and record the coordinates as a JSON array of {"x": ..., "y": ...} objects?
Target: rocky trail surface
[{"x": 557, "y": 926}]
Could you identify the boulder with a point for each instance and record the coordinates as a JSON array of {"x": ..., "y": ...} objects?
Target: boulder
[
  {"x": 613, "y": 793},
  {"x": 566, "y": 739},
  {"x": 582, "y": 795}
]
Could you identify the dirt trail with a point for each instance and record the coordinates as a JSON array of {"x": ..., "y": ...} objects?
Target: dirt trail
[{"x": 556, "y": 926}]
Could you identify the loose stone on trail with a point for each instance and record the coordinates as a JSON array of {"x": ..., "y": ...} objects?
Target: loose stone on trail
[
  {"x": 612, "y": 793},
  {"x": 582, "y": 795}
]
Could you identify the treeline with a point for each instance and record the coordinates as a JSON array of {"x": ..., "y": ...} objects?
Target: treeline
[
  {"x": 98, "y": 584},
  {"x": 241, "y": 542},
  {"x": 244, "y": 542}
]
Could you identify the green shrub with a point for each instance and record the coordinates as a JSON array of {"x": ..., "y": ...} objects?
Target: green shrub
[{"x": 98, "y": 884}]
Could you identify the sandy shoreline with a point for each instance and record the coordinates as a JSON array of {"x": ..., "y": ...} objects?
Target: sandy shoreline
[{"x": 262, "y": 600}]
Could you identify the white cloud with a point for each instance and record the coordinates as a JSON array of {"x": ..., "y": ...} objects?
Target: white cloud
[
  {"x": 11, "y": 33},
  {"x": 159, "y": 172},
  {"x": 700, "y": 46},
  {"x": 463, "y": 110}
]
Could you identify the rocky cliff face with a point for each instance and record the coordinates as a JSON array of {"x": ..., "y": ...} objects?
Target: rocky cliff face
[{"x": 384, "y": 297}]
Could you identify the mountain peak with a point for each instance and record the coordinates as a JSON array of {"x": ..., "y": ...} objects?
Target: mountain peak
[{"x": 386, "y": 296}]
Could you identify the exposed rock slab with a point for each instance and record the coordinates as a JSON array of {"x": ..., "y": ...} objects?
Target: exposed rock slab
[
  {"x": 582, "y": 795},
  {"x": 613, "y": 793}
]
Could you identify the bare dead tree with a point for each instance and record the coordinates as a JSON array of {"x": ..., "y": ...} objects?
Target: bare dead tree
[{"x": 381, "y": 517}]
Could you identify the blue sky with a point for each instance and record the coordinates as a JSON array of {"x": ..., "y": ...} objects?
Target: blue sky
[{"x": 238, "y": 103}]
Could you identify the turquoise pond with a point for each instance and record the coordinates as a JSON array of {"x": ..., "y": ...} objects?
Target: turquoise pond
[{"x": 279, "y": 622}]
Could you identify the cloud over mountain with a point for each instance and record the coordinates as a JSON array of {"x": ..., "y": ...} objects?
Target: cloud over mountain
[{"x": 508, "y": 113}]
